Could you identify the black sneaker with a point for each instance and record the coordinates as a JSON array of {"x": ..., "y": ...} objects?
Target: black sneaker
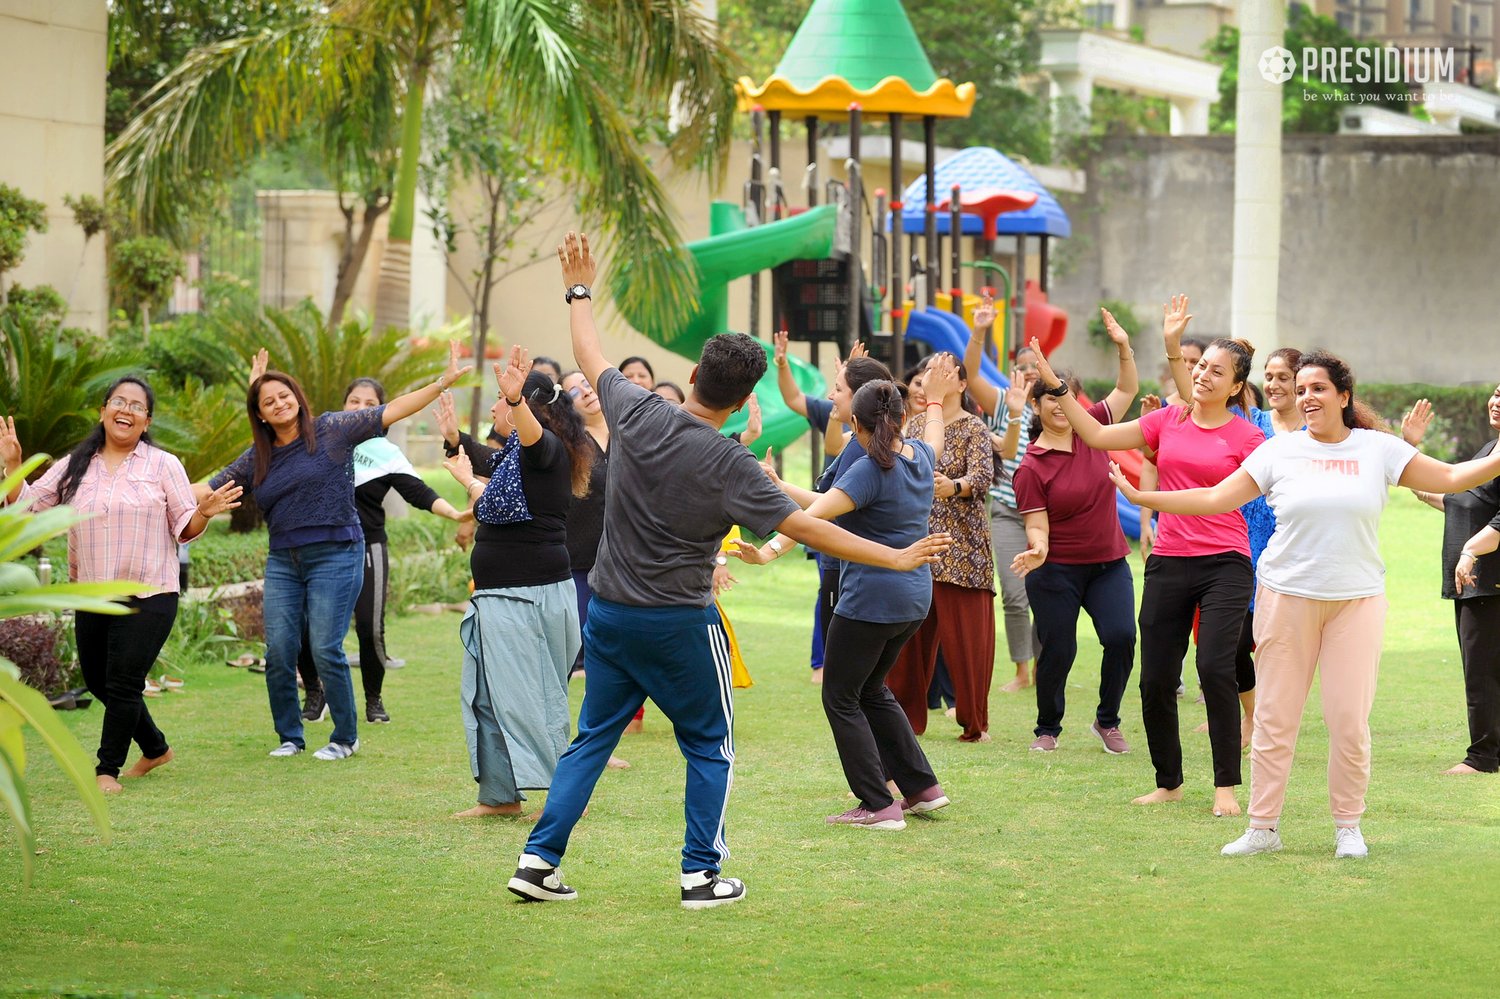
[
  {"x": 375, "y": 711},
  {"x": 315, "y": 708},
  {"x": 537, "y": 881},
  {"x": 705, "y": 889}
]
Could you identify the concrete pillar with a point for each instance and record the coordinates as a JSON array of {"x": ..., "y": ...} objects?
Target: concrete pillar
[
  {"x": 1070, "y": 94},
  {"x": 1189, "y": 116},
  {"x": 1257, "y": 181},
  {"x": 1122, "y": 12}
]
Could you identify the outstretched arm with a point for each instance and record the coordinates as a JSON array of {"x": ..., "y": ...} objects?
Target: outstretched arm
[
  {"x": 1231, "y": 494},
  {"x": 798, "y": 495},
  {"x": 1119, "y": 437},
  {"x": 790, "y": 393},
  {"x": 984, "y": 393},
  {"x": 1128, "y": 381},
  {"x": 1433, "y": 476},
  {"x": 834, "y": 540},
  {"x": 1174, "y": 323},
  {"x": 578, "y": 267},
  {"x": 414, "y": 402}
]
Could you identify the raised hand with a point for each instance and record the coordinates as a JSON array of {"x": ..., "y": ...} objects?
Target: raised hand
[
  {"x": 454, "y": 371},
  {"x": 1174, "y": 321},
  {"x": 1150, "y": 404},
  {"x": 1123, "y": 484},
  {"x": 447, "y": 418},
  {"x": 778, "y": 346},
  {"x": 940, "y": 378},
  {"x": 924, "y": 552},
  {"x": 259, "y": 364},
  {"x": 1044, "y": 367},
  {"x": 512, "y": 378},
  {"x": 753, "y": 423},
  {"x": 1027, "y": 561},
  {"x": 858, "y": 350},
  {"x": 984, "y": 314},
  {"x": 1114, "y": 330},
  {"x": 578, "y": 266},
  {"x": 1414, "y": 424},
  {"x": 10, "y": 444},
  {"x": 769, "y": 467},
  {"x": 226, "y": 497},
  {"x": 1018, "y": 393},
  {"x": 459, "y": 467}
]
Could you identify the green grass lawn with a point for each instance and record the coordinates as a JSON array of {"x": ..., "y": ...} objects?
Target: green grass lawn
[{"x": 233, "y": 873}]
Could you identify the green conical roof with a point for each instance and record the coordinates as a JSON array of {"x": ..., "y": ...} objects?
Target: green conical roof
[{"x": 863, "y": 41}]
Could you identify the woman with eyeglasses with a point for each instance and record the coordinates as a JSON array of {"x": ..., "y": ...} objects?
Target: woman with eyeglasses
[
  {"x": 379, "y": 467},
  {"x": 140, "y": 505},
  {"x": 521, "y": 632},
  {"x": 301, "y": 471}
]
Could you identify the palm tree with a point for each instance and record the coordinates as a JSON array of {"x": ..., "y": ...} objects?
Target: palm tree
[{"x": 588, "y": 73}]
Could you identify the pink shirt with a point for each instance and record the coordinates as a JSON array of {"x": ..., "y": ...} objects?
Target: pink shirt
[
  {"x": 138, "y": 514},
  {"x": 1189, "y": 457}
]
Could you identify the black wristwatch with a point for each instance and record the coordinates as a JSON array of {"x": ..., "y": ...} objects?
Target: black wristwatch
[
  {"x": 577, "y": 291},
  {"x": 1057, "y": 392}
]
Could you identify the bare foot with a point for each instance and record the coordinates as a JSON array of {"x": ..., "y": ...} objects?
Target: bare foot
[
  {"x": 817, "y": 677},
  {"x": 951, "y": 713},
  {"x": 108, "y": 784},
  {"x": 636, "y": 726},
  {"x": 1462, "y": 768},
  {"x": 615, "y": 763},
  {"x": 1019, "y": 683},
  {"x": 1225, "y": 803},
  {"x": 481, "y": 810},
  {"x": 1160, "y": 796},
  {"x": 1202, "y": 728},
  {"x": 981, "y": 737},
  {"x": 143, "y": 766}
]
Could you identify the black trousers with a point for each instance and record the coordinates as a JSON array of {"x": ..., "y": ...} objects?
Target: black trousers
[
  {"x": 1220, "y": 587},
  {"x": 1478, "y": 621},
  {"x": 1244, "y": 655},
  {"x": 116, "y": 653},
  {"x": 1057, "y": 592},
  {"x": 874, "y": 739},
  {"x": 369, "y": 626}
]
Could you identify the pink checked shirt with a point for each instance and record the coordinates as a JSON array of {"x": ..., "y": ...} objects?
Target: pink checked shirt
[{"x": 138, "y": 513}]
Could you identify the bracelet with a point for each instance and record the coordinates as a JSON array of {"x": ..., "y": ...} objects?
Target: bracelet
[
  {"x": 1470, "y": 554},
  {"x": 1174, "y": 357},
  {"x": 472, "y": 483},
  {"x": 1131, "y": 356},
  {"x": 518, "y": 402},
  {"x": 931, "y": 404}
]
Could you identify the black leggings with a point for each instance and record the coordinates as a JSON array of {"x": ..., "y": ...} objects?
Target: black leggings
[
  {"x": 369, "y": 626},
  {"x": 1244, "y": 655},
  {"x": 1219, "y": 586},
  {"x": 116, "y": 653},
  {"x": 874, "y": 739}
]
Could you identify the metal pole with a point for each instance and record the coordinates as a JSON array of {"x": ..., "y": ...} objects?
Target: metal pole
[
  {"x": 956, "y": 246},
  {"x": 1046, "y": 242},
  {"x": 929, "y": 140},
  {"x": 1019, "y": 290},
  {"x": 758, "y": 202},
  {"x": 856, "y": 202},
  {"x": 898, "y": 283}
]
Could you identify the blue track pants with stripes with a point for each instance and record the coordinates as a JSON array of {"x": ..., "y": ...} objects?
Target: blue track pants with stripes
[{"x": 679, "y": 658}]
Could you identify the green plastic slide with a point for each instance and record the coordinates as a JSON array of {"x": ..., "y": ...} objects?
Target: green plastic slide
[{"x": 731, "y": 252}]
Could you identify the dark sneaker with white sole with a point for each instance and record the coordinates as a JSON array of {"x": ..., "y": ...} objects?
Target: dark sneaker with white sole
[
  {"x": 705, "y": 889},
  {"x": 375, "y": 711},
  {"x": 314, "y": 708},
  {"x": 536, "y": 880}
]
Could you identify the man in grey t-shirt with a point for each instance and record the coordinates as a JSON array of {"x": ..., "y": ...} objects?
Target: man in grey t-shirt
[{"x": 676, "y": 486}]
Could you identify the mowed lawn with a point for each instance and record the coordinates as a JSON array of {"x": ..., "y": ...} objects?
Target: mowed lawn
[{"x": 232, "y": 873}]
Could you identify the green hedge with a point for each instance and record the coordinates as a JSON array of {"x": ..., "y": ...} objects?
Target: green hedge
[{"x": 1460, "y": 425}]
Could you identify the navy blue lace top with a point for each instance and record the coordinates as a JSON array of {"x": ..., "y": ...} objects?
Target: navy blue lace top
[{"x": 308, "y": 498}]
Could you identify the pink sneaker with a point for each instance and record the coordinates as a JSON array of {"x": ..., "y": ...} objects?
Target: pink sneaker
[
  {"x": 1114, "y": 742},
  {"x": 888, "y": 818},
  {"x": 1044, "y": 744},
  {"x": 929, "y": 800}
]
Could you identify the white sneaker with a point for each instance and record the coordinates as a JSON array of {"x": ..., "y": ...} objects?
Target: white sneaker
[
  {"x": 705, "y": 889},
  {"x": 536, "y": 880},
  {"x": 1254, "y": 841},
  {"x": 337, "y": 751},
  {"x": 286, "y": 749},
  {"x": 1348, "y": 841}
]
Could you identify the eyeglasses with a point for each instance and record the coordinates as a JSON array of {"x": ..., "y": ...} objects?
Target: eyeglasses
[{"x": 119, "y": 403}]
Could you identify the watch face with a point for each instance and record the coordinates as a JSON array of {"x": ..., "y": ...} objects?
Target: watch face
[{"x": 579, "y": 291}]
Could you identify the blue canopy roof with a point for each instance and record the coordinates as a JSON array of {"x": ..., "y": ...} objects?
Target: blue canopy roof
[{"x": 976, "y": 169}]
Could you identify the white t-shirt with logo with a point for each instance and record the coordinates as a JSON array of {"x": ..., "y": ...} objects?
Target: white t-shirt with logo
[{"x": 1327, "y": 499}]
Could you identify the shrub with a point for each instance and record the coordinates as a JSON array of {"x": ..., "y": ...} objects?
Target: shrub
[
  {"x": 36, "y": 645},
  {"x": 1460, "y": 425},
  {"x": 1124, "y": 315}
]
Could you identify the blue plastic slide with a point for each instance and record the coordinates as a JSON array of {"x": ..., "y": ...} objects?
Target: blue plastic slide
[{"x": 942, "y": 330}]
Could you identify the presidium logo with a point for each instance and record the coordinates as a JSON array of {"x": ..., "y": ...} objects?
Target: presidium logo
[{"x": 1358, "y": 64}]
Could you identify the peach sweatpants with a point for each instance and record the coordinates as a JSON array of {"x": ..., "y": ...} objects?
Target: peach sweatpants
[{"x": 1295, "y": 636}]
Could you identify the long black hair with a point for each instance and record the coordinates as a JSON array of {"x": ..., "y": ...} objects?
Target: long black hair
[
  {"x": 877, "y": 408},
  {"x": 1356, "y": 415},
  {"x": 555, "y": 411},
  {"x": 368, "y": 383},
  {"x": 261, "y": 432},
  {"x": 78, "y": 459}
]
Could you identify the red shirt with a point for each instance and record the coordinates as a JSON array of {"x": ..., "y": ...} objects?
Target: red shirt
[
  {"x": 1074, "y": 488},
  {"x": 1190, "y": 457}
]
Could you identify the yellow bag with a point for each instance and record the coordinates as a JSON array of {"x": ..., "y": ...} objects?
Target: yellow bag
[{"x": 739, "y": 675}]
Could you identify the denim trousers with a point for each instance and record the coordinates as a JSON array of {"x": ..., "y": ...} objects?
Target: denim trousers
[{"x": 313, "y": 586}]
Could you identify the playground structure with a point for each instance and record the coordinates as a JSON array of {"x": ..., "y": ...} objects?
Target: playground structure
[{"x": 849, "y": 60}]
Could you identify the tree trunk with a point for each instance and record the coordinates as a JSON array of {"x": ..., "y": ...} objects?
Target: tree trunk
[
  {"x": 352, "y": 259},
  {"x": 393, "y": 297},
  {"x": 145, "y": 324}
]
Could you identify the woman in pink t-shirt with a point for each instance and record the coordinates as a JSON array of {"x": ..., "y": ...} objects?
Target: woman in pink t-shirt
[{"x": 1198, "y": 564}]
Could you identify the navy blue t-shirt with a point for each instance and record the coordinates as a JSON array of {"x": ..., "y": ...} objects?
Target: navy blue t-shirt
[
  {"x": 308, "y": 498},
  {"x": 890, "y": 507}
]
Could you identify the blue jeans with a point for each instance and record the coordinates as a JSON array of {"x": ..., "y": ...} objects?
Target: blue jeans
[
  {"x": 313, "y": 586},
  {"x": 1057, "y": 592}
]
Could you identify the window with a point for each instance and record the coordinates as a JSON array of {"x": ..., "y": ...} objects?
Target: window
[
  {"x": 1458, "y": 19},
  {"x": 1099, "y": 15},
  {"x": 1345, "y": 20}
]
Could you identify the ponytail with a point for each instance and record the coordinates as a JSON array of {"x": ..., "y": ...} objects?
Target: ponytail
[
  {"x": 878, "y": 409},
  {"x": 1244, "y": 354}
]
